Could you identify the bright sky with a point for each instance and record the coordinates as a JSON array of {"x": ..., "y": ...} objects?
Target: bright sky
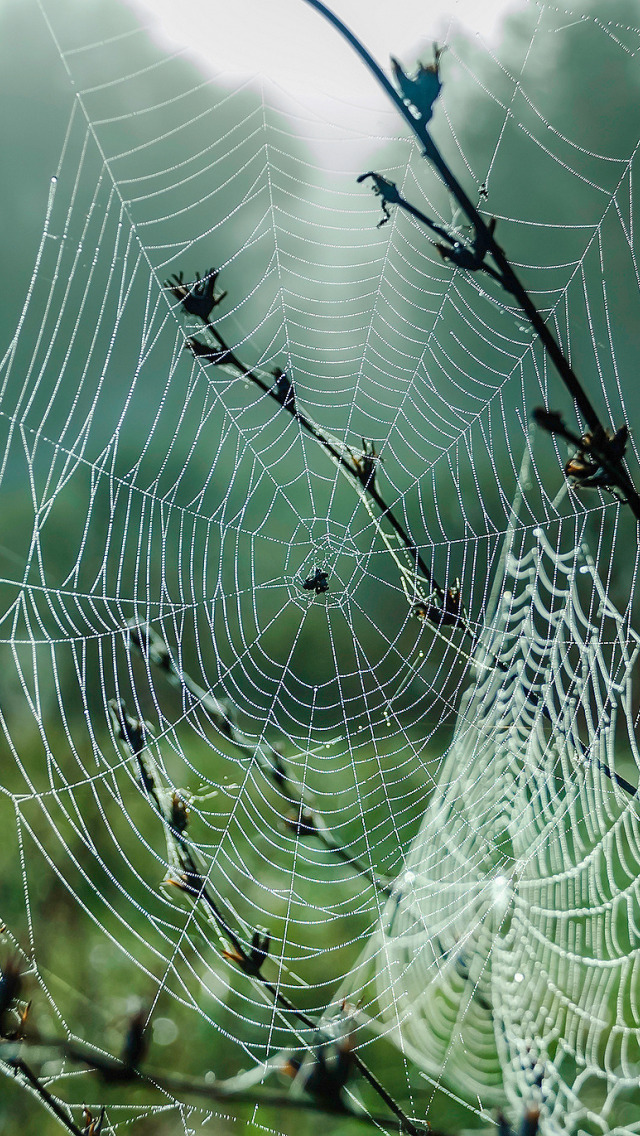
[{"x": 290, "y": 43}]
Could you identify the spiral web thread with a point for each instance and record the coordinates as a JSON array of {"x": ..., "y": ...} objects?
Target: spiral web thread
[{"x": 160, "y": 492}]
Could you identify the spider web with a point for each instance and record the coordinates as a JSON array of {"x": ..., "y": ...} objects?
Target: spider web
[{"x": 147, "y": 490}]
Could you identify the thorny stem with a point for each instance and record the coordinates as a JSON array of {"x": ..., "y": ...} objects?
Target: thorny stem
[
  {"x": 132, "y": 733},
  {"x": 509, "y": 278},
  {"x": 305, "y": 821},
  {"x": 366, "y": 487},
  {"x": 47, "y": 1099}
]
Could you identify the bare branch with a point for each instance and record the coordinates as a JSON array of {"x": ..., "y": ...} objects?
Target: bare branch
[
  {"x": 303, "y": 820},
  {"x": 21, "y": 1068},
  {"x": 244, "y": 1089},
  {"x": 417, "y": 118},
  {"x": 250, "y": 959}
]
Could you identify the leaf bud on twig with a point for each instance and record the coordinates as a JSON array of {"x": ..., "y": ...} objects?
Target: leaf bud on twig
[
  {"x": 92, "y": 1125},
  {"x": 135, "y": 1043},
  {"x": 421, "y": 90},
  {"x": 198, "y": 298}
]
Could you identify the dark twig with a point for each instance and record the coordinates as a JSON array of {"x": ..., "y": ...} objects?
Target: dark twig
[
  {"x": 221, "y": 713},
  {"x": 190, "y": 881},
  {"x": 360, "y": 468},
  {"x": 114, "y": 1071},
  {"x": 417, "y": 118},
  {"x": 188, "y": 878},
  {"x": 12, "y": 1029},
  {"x": 43, "y": 1093},
  {"x": 471, "y": 258}
]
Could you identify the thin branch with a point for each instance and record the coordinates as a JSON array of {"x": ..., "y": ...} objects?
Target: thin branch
[
  {"x": 304, "y": 821},
  {"x": 198, "y": 299},
  {"x": 508, "y": 277},
  {"x": 595, "y": 463},
  {"x": 20, "y": 1066},
  {"x": 227, "y": 357},
  {"x": 132, "y": 732},
  {"x": 114, "y": 1071}
]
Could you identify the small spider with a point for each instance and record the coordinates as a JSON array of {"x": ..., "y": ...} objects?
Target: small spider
[
  {"x": 447, "y": 611},
  {"x": 317, "y": 583},
  {"x": 422, "y": 89},
  {"x": 283, "y": 389},
  {"x": 198, "y": 298},
  {"x": 366, "y": 463},
  {"x": 584, "y": 471},
  {"x": 209, "y": 356}
]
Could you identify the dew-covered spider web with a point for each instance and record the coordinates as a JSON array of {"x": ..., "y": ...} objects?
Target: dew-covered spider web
[{"x": 229, "y": 701}]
